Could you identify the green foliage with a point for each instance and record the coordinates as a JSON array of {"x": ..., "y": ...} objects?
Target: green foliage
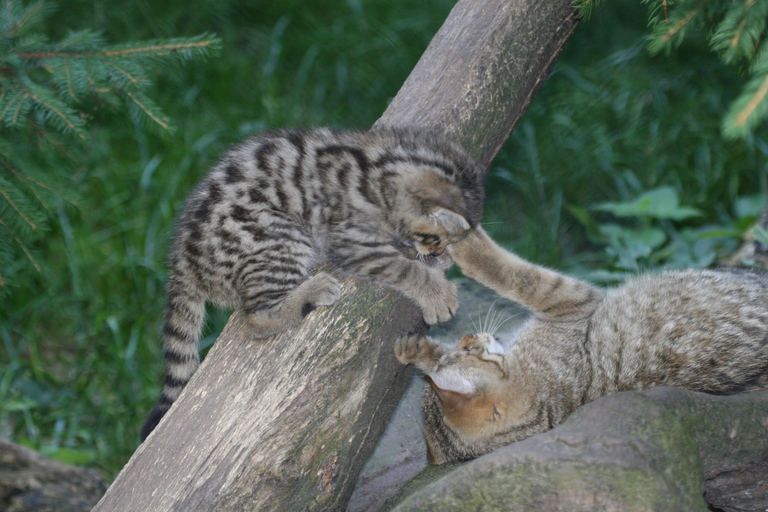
[
  {"x": 48, "y": 91},
  {"x": 736, "y": 31},
  {"x": 80, "y": 350},
  {"x": 653, "y": 236},
  {"x": 611, "y": 129}
]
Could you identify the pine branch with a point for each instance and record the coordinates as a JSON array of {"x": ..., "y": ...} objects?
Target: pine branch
[
  {"x": 41, "y": 87},
  {"x": 21, "y": 245},
  {"x": 751, "y": 107},
  {"x": 664, "y": 36},
  {"x": 181, "y": 49},
  {"x": 19, "y": 211},
  {"x": 14, "y": 19},
  {"x": 149, "y": 110},
  {"x": 58, "y": 113},
  {"x": 741, "y": 29}
]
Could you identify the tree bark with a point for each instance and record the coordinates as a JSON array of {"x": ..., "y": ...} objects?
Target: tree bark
[
  {"x": 287, "y": 424},
  {"x": 654, "y": 451}
]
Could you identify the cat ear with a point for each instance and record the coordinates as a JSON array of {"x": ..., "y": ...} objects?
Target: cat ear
[
  {"x": 451, "y": 388},
  {"x": 451, "y": 221}
]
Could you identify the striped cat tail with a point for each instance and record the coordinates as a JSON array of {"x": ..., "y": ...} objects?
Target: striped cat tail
[{"x": 182, "y": 326}]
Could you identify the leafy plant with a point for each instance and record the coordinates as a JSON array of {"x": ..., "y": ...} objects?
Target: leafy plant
[
  {"x": 49, "y": 91},
  {"x": 655, "y": 232},
  {"x": 736, "y": 31}
]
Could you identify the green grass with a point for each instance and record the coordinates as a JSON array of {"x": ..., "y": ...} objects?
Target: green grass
[{"x": 80, "y": 359}]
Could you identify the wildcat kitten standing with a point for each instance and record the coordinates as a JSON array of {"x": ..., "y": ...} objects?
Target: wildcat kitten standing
[
  {"x": 703, "y": 330},
  {"x": 278, "y": 205}
]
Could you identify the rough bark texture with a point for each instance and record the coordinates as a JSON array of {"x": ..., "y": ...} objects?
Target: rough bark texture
[
  {"x": 482, "y": 70},
  {"x": 653, "y": 451},
  {"x": 30, "y": 482},
  {"x": 287, "y": 424}
]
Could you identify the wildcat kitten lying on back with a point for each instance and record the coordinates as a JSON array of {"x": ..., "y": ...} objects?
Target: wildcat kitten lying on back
[
  {"x": 278, "y": 205},
  {"x": 703, "y": 330}
]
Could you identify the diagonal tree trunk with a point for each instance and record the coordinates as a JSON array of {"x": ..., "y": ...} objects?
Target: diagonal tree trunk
[{"x": 287, "y": 424}]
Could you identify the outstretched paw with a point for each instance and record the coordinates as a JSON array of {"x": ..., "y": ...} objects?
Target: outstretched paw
[
  {"x": 440, "y": 302},
  {"x": 414, "y": 348}
]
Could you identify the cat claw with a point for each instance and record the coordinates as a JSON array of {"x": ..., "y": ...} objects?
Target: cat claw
[
  {"x": 407, "y": 348},
  {"x": 440, "y": 306},
  {"x": 418, "y": 349}
]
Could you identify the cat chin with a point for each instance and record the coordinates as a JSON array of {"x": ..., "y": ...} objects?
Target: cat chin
[{"x": 494, "y": 347}]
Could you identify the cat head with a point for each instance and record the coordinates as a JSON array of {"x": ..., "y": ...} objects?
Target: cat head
[
  {"x": 432, "y": 212},
  {"x": 474, "y": 402}
]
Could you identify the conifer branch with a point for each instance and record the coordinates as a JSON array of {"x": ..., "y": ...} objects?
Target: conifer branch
[
  {"x": 749, "y": 109},
  {"x": 32, "y": 11},
  {"x": 18, "y": 108},
  {"x": 32, "y": 225},
  {"x": 69, "y": 78},
  {"x": 125, "y": 73},
  {"x": 155, "y": 50},
  {"x": 44, "y": 134},
  {"x": 21, "y": 245},
  {"x": 5, "y": 160},
  {"x": 161, "y": 121},
  {"x": 683, "y": 22},
  {"x": 40, "y": 85}
]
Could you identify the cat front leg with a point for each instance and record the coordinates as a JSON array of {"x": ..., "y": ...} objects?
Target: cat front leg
[
  {"x": 436, "y": 296},
  {"x": 421, "y": 351},
  {"x": 547, "y": 293}
]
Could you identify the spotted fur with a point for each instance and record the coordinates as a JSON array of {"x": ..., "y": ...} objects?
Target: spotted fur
[
  {"x": 703, "y": 330},
  {"x": 278, "y": 205}
]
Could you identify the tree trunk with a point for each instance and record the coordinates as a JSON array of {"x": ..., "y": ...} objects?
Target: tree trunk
[
  {"x": 287, "y": 424},
  {"x": 654, "y": 451}
]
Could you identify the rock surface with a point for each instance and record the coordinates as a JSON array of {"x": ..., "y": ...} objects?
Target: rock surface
[{"x": 31, "y": 482}]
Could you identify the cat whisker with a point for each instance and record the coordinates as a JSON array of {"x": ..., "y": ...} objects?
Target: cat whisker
[
  {"x": 474, "y": 325},
  {"x": 498, "y": 317},
  {"x": 485, "y": 323},
  {"x": 500, "y": 325}
]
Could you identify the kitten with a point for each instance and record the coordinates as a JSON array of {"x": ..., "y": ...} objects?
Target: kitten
[
  {"x": 278, "y": 205},
  {"x": 703, "y": 330}
]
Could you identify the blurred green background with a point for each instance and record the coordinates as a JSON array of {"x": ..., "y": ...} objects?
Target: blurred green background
[{"x": 618, "y": 166}]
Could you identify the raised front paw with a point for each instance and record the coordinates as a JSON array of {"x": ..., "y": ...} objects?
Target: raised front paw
[
  {"x": 439, "y": 302},
  {"x": 322, "y": 290},
  {"x": 414, "y": 348}
]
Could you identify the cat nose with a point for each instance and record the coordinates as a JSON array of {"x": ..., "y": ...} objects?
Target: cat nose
[{"x": 467, "y": 341}]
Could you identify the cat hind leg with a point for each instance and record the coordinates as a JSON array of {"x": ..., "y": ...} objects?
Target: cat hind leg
[{"x": 322, "y": 289}]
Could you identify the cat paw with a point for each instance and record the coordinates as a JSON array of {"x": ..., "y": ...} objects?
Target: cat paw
[
  {"x": 323, "y": 290},
  {"x": 440, "y": 302},
  {"x": 414, "y": 347}
]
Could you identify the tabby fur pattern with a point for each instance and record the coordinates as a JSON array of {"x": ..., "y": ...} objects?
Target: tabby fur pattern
[
  {"x": 278, "y": 205},
  {"x": 702, "y": 330}
]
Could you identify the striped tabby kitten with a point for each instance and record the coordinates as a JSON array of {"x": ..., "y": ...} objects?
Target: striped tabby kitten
[
  {"x": 278, "y": 205},
  {"x": 703, "y": 330}
]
